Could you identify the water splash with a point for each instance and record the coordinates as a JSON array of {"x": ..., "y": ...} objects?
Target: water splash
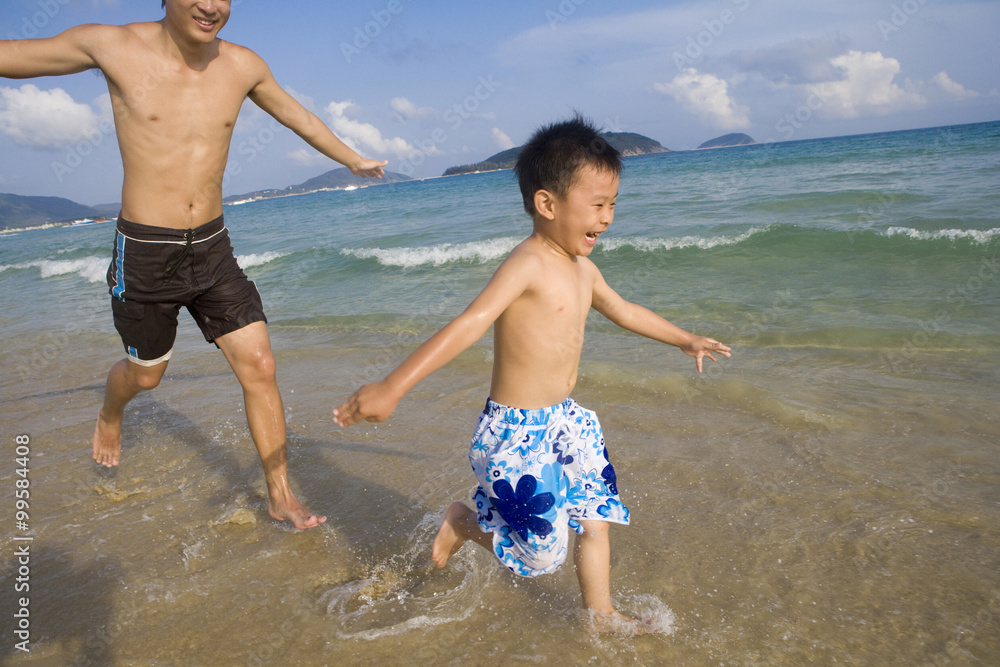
[{"x": 405, "y": 592}]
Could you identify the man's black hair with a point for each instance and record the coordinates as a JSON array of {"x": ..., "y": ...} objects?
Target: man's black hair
[{"x": 555, "y": 153}]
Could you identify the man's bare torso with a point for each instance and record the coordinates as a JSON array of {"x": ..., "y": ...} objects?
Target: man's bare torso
[{"x": 174, "y": 120}]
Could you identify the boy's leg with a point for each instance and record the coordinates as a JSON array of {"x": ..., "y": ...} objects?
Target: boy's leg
[
  {"x": 248, "y": 351},
  {"x": 592, "y": 555},
  {"x": 459, "y": 526},
  {"x": 125, "y": 380}
]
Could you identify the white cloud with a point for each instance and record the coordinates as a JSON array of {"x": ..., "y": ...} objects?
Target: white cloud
[
  {"x": 405, "y": 110},
  {"x": 706, "y": 95},
  {"x": 501, "y": 139},
  {"x": 307, "y": 157},
  {"x": 866, "y": 87},
  {"x": 953, "y": 88},
  {"x": 364, "y": 137},
  {"x": 45, "y": 118}
]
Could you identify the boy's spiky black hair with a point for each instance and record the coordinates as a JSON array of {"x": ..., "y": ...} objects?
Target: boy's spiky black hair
[{"x": 551, "y": 158}]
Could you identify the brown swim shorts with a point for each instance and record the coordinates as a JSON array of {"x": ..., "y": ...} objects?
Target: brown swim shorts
[{"x": 156, "y": 270}]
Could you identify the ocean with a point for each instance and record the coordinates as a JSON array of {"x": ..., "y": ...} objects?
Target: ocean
[{"x": 829, "y": 495}]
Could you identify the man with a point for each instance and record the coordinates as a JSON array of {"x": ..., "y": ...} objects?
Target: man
[{"x": 176, "y": 91}]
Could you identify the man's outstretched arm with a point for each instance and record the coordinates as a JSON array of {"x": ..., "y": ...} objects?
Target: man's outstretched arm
[
  {"x": 67, "y": 53},
  {"x": 273, "y": 99}
]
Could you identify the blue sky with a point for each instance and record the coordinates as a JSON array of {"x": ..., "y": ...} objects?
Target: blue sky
[{"x": 430, "y": 85}]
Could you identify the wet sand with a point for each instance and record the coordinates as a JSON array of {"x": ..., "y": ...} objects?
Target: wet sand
[{"x": 783, "y": 514}]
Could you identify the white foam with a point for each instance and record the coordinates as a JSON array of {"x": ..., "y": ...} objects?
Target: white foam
[
  {"x": 704, "y": 243},
  {"x": 48, "y": 225},
  {"x": 95, "y": 269},
  {"x": 982, "y": 236},
  {"x": 256, "y": 259},
  {"x": 477, "y": 251},
  {"x": 91, "y": 269}
]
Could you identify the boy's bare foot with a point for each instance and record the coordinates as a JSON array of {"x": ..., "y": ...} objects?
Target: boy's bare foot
[
  {"x": 449, "y": 540},
  {"x": 615, "y": 623},
  {"x": 107, "y": 443},
  {"x": 292, "y": 510}
]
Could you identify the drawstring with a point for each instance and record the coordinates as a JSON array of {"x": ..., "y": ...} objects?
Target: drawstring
[{"x": 188, "y": 235}]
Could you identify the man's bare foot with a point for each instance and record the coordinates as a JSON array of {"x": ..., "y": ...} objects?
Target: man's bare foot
[
  {"x": 107, "y": 443},
  {"x": 292, "y": 510},
  {"x": 449, "y": 540},
  {"x": 615, "y": 623}
]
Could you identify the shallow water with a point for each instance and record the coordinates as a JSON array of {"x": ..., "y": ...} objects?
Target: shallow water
[{"x": 829, "y": 495}]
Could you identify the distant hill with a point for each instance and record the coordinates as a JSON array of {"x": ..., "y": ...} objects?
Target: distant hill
[
  {"x": 734, "y": 139},
  {"x": 627, "y": 143},
  {"x": 19, "y": 211},
  {"x": 336, "y": 179}
]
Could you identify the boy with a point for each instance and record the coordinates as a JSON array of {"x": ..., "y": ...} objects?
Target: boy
[
  {"x": 539, "y": 457},
  {"x": 176, "y": 91}
]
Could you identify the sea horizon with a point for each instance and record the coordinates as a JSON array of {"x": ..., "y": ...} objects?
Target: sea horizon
[{"x": 63, "y": 223}]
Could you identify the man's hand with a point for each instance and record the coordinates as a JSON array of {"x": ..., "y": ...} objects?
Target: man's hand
[
  {"x": 367, "y": 167},
  {"x": 373, "y": 402},
  {"x": 701, "y": 347}
]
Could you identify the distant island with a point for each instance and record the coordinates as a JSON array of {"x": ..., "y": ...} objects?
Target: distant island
[
  {"x": 734, "y": 139},
  {"x": 335, "y": 179},
  {"x": 17, "y": 211},
  {"x": 627, "y": 143}
]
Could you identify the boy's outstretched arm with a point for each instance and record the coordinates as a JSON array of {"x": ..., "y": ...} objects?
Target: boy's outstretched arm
[
  {"x": 377, "y": 400},
  {"x": 645, "y": 322}
]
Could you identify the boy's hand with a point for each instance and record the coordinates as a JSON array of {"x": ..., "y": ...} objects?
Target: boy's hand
[
  {"x": 373, "y": 402},
  {"x": 701, "y": 347},
  {"x": 366, "y": 167}
]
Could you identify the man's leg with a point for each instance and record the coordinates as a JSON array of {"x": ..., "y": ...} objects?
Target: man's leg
[
  {"x": 125, "y": 380},
  {"x": 248, "y": 351}
]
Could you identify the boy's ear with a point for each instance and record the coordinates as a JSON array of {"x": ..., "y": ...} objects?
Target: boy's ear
[{"x": 545, "y": 204}]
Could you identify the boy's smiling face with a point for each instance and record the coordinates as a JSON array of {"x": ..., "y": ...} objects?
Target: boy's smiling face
[{"x": 573, "y": 223}]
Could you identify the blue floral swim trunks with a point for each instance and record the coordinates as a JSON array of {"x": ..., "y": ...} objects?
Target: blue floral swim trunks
[{"x": 540, "y": 473}]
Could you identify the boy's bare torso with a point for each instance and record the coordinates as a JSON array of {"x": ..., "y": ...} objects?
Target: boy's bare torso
[
  {"x": 538, "y": 339},
  {"x": 174, "y": 120}
]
